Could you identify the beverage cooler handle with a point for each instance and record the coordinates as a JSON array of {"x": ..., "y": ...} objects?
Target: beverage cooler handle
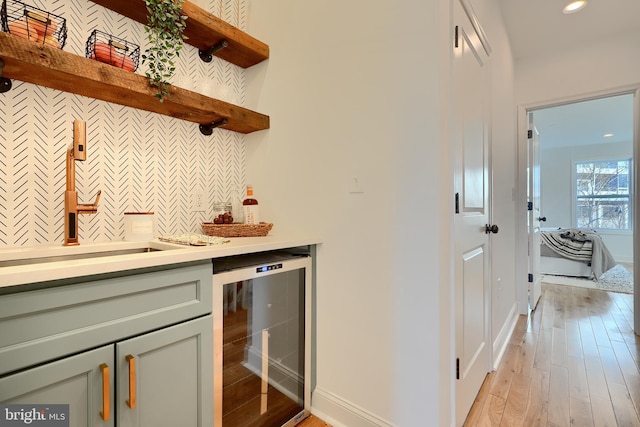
[{"x": 264, "y": 392}]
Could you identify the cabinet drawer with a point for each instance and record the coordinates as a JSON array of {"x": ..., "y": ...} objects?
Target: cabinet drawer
[{"x": 45, "y": 324}]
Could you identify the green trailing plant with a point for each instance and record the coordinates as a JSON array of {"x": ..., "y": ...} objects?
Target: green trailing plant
[{"x": 165, "y": 24}]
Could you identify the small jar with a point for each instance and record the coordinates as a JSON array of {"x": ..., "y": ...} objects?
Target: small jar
[{"x": 220, "y": 208}]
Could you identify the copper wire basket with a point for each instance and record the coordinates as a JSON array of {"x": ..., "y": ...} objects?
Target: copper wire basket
[
  {"x": 112, "y": 50},
  {"x": 236, "y": 230},
  {"x": 31, "y": 23}
]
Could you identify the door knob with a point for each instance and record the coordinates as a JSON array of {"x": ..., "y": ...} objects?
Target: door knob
[
  {"x": 491, "y": 229},
  {"x": 542, "y": 218}
]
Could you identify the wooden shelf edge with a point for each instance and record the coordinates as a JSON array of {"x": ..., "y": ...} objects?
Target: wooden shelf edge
[
  {"x": 203, "y": 30},
  {"x": 33, "y": 63}
]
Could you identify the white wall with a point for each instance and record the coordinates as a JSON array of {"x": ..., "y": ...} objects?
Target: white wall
[
  {"x": 361, "y": 89},
  {"x": 341, "y": 106},
  {"x": 605, "y": 65},
  {"x": 556, "y": 166}
]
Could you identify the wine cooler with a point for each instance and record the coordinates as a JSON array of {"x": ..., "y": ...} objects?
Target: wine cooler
[{"x": 261, "y": 310}]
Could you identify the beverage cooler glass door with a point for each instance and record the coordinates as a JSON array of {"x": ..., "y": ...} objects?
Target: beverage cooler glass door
[{"x": 261, "y": 342}]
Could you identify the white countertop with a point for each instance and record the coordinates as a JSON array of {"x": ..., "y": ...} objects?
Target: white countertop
[{"x": 45, "y": 271}]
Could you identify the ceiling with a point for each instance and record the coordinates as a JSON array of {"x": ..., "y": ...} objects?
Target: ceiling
[
  {"x": 538, "y": 27},
  {"x": 586, "y": 122}
]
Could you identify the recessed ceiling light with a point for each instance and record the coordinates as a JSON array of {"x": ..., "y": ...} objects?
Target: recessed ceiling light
[
  {"x": 607, "y": 135},
  {"x": 574, "y": 6}
]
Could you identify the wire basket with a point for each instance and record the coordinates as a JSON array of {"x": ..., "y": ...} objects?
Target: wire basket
[
  {"x": 236, "y": 230},
  {"x": 33, "y": 24},
  {"x": 112, "y": 50}
]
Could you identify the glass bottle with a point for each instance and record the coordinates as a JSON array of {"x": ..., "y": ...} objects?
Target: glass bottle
[{"x": 250, "y": 207}]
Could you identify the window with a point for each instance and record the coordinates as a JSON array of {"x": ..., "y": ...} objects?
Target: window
[{"x": 602, "y": 194}]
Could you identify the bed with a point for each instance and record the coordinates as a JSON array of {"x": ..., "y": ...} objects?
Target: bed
[{"x": 574, "y": 252}]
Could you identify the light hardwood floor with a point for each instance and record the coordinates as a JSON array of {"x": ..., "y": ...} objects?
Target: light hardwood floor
[
  {"x": 574, "y": 361},
  {"x": 313, "y": 421}
]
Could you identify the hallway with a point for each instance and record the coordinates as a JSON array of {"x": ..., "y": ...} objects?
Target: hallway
[{"x": 574, "y": 361}]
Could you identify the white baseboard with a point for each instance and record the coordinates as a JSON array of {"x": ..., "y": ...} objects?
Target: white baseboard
[
  {"x": 502, "y": 340},
  {"x": 341, "y": 413}
]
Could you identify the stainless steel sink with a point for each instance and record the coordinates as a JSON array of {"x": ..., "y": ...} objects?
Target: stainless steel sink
[
  {"x": 42, "y": 256},
  {"x": 69, "y": 257}
]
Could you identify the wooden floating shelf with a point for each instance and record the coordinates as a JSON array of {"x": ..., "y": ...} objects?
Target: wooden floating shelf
[
  {"x": 204, "y": 31},
  {"x": 30, "y": 62}
]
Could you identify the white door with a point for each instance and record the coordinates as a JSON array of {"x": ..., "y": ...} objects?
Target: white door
[
  {"x": 472, "y": 252},
  {"x": 533, "y": 220}
]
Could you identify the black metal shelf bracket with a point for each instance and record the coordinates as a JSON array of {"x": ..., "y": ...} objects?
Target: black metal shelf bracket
[
  {"x": 208, "y": 129},
  {"x": 207, "y": 55},
  {"x": 5, "y": 83}
]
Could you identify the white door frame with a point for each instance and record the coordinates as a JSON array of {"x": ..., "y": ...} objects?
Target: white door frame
[
  {"x": 534, "y": 213},
  {"x": 521, "y": 186}
]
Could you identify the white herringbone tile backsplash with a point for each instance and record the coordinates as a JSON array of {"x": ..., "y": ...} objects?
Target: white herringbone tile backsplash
[{"x": 141, "y": 161}]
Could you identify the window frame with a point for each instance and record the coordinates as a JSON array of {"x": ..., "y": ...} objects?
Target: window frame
[{"x": 629, "y": 195}]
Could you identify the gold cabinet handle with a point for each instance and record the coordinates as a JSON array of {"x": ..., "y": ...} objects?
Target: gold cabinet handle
[
  {"x": 131, "y": 402},
  {"x": 105, "y": 392}
]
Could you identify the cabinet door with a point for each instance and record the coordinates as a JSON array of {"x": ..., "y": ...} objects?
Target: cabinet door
[
  {"x": 165, "y": 378},
  {"x": 80, "y": 381}
]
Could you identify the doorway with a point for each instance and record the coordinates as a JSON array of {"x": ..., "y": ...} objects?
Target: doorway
[{"x": 574, "y": 137}]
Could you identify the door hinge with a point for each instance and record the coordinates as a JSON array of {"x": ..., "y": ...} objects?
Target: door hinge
[
  {"x": 530, "y": 278},
  {"x": 529, "y": 134},
  {"x": 456, "y": 38},
  {"x": 529, "y": 206},
  {"x": 457, "y": 203},
  {"x": 457, "y": 368}
]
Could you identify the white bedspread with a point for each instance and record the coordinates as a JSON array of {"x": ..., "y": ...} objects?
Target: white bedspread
[{"x": 580, "y": 245}]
